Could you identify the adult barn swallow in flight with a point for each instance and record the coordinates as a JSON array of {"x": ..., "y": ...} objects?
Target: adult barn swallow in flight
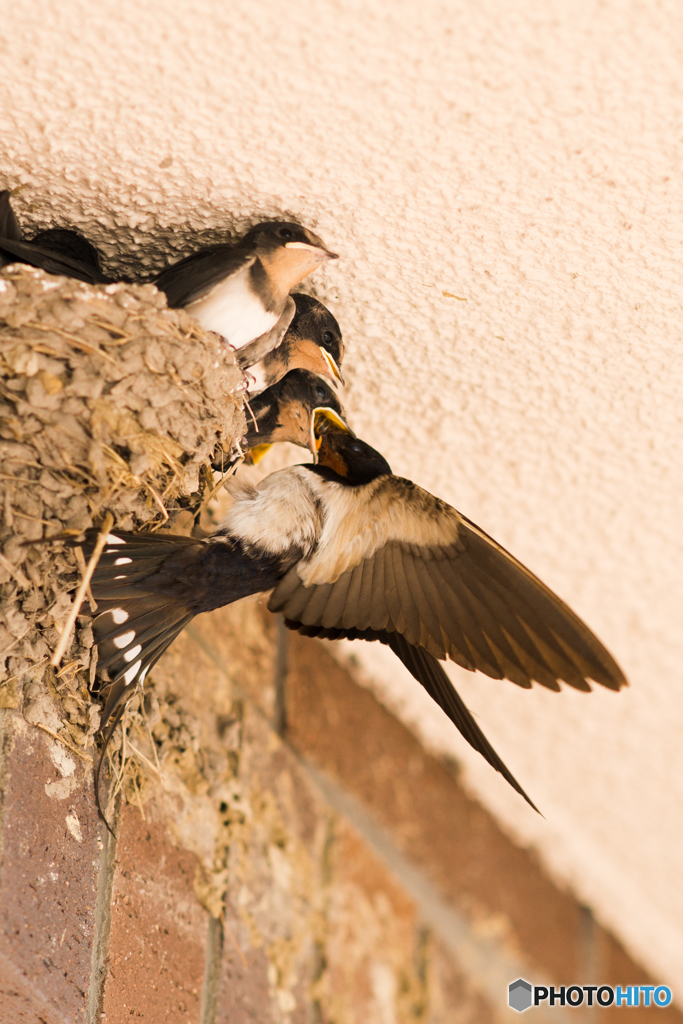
[
  {"x": 298, "y": 410},
  {"x": 349, "y": 551},
  {"x": 313, "y": 342},
  {"x": 241, "y": 291},
  {"x": 55, "y": 250}
]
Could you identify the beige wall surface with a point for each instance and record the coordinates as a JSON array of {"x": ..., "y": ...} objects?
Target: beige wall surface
[{"x": 502, "y": 180}]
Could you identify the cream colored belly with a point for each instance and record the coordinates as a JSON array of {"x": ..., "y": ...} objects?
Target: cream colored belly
[{"x": 234, "y": 311}]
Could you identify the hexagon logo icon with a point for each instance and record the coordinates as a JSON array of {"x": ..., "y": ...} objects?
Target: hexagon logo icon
[{"x": 519, "y": 995}]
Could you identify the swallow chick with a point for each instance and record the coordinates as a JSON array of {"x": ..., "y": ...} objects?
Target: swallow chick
[
  {"x": 312, "y": 342},
  {"x": 241, "y": 291},
  {"x": 349, "y": 551},
  {"x": 298, "y": 409},
  {"x": 58, "y": 251}
]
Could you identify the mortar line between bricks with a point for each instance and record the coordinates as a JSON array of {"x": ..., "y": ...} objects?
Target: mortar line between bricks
[
  {"x": 7, "y": 716},
  {"x": 103, "y": 917},
  {"x": 215, "y": 937}
]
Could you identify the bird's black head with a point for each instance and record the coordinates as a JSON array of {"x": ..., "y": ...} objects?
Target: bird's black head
[
  {"x": 347, "y": 459},
  {"x": 281, "y": 234},
  {"x": 295, "y": 409},
  {"x": 66, "y": 242},
  {"x": 313, "y": 321}
]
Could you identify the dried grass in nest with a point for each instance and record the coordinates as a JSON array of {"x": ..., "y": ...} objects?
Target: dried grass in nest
[{"x": 108, "y": 401}]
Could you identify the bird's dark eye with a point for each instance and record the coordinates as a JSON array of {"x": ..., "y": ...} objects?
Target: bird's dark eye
[
  {"x": 355, "y": 448},
  {"x": 286, "y": 233},
  {"x": 327, "y": 337},
  {"x": 320, "y": 394}
]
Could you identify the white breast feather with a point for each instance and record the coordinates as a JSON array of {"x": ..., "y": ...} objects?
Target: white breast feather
[
  {"x": 358, "y": 521},
  {"x": 233, "y": 310},
  {"x": 278, "y": 514}
]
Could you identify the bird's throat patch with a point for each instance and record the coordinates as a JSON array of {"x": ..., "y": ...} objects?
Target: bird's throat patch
[{"x": 333, "y": 461}]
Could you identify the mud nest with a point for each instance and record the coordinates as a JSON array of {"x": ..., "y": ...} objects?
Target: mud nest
[{"x": 109, "y": 402}]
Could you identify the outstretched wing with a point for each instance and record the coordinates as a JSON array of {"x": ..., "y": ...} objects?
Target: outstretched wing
[
  {"x": 412, "y": 565},
  {"x": 430, "y": 674}
]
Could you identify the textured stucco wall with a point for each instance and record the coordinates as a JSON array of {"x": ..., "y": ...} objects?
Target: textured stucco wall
[{"x": 523, "y": 156}]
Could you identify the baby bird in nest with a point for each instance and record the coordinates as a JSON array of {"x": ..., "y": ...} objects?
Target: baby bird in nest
[
  {"x": 298, "y": 409},
  {"x": 242, "y": 290},
  {"x": 313, "y": 342}
]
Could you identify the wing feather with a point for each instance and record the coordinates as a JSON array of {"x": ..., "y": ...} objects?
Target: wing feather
[
  {"x": 459, "y": 650},
  {"x": 521, "y": 606},
  {"x": 334, "y": 609},
  {"x": 379, "y": 615},
  {"x": 488, "y": 618},
  {"x": 550, "y": 618},
  {"x": 290, "y": 596},
  {"x": 462, "y": 626},
  {"x": 415, "y": 611},
  {"x": 351, "y": 606},
  {"x": 508, "y": 629},
  {"x": 391, "y": 598},
  {"x": 289, "y": 585},
  {"x": 416, "y": 601},
  {"x": 317, "y": 598},
  {"x": 194, "y": 276},
  {"x": 364, "y": 607},
  {"x": 454, "y": 592},
  {"x": 432, "y": 677},
  {"x": 407, "y": 621}
]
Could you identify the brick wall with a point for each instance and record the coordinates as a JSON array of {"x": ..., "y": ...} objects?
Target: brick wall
[{"x": 285, "y": 851}]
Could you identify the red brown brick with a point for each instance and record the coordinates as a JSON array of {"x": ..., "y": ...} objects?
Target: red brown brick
[
  {"x": 158, "y": 930},
  {"x": 48, "y": 882}
]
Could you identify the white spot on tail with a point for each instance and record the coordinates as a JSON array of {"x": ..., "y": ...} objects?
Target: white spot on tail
[
  {"x": 123, "y": 561},
  {"x": 129, "y": 676},
  {"x": 132, "y": 653},
  {"x": 143, "y": 674},
  {"x": 113, "y": 539},
  {"x": 119, "y": 616},
  {"x": 124, "y": 639}
]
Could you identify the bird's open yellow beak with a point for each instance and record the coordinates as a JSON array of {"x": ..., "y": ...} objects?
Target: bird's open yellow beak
[
  {"x": 256, "y": 453},
  {"x": 324, "y": 419}
]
